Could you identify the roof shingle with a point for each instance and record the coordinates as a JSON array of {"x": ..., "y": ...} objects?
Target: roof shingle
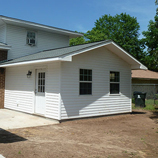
[
  {"x": 144, "y": 74},
  {"x": 54, "y": 53}
]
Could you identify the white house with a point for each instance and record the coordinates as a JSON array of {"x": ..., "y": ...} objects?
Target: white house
[{"x": 64, "y": 82}]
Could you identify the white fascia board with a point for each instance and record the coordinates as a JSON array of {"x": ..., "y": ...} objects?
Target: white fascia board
[
  {"x": 86, "y": 50},
  {"x": 31, "y": 62},
  {"x": 67, "y": 58},
  {"x": 141, "y": 65},
  {"x": 138, "y": 67},
  {"x": 22, "y": 22}
]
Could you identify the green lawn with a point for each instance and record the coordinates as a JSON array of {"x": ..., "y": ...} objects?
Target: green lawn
[{"x": 149, "y": 104}]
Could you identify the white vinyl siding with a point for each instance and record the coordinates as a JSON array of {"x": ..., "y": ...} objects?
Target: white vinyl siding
[
  {"x": 53, "y": 90},
  {"x": 101, "y": 102},
  {"x": 19, "y": 93},
  {"x": 16, "y": 37},
  {"x": 2, "y": 33},
  {"x": 19, "y": 90}
]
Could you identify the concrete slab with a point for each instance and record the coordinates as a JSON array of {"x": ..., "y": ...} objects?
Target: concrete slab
[{"x": 10, "y": 119}]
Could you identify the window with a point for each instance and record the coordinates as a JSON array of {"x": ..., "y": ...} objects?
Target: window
[
  {"x": 114, "y": 82},
  {"x": 31, "y": 38},
  {"x": 41, "y": 82},
  {"x": 85, "y": 82}
]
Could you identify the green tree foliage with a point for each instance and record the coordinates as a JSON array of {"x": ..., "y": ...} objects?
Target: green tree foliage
[
  {"x": 150, "y": 40},
  {"x": 123, "y": 29},
  {"x": 77, "y": 41}
]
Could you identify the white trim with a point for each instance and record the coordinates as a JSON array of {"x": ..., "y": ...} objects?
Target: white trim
[
  {"x": 48, "y": 28},
  {"x": 34, "y": 92},
  {"x": 130, "y": 92},
  {"x": 37, "y": 61},
  {"x": 68, "y": 57},
  {"x": 59, "y": 108},
  {"x": 30, "y": 62},
  {"x": 5, "y": 32},
  {"x": 141, "y": 65},
  {"x": 85, "y": 82},
  {"x": 86, "y": 50},
  {"x": 113, "y": 94}
]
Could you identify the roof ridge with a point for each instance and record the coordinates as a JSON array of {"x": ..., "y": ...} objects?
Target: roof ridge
[{"x": 79, "y": 45}]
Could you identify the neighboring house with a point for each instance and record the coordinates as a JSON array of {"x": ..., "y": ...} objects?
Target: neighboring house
[
  {"x": 68, "y": 82},
  {"x": 145, "y": 81}
]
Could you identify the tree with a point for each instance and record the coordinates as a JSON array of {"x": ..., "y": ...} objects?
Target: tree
[
  {"x": 150, "y": 40},
  {"x": 123, "y": 29},
  {"x": 77, "y": 41}
]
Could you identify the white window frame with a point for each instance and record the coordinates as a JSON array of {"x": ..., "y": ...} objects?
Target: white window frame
[
  {"x": 85, "y": 81},
  {"x": 29, "y": 38},
  {"x": 114, "y": 82}
]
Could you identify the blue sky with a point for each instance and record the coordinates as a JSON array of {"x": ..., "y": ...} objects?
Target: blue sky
[{"x": 78, "y": 15}]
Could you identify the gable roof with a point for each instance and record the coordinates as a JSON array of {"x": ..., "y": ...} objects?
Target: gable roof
[
  {"x": 33, "y": 25},
  {"x": 144, "y": 74},
  {"x": 66, "y": 53}
]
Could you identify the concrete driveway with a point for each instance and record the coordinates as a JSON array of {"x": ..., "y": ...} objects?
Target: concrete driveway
[{"x": 10, "y": 119}]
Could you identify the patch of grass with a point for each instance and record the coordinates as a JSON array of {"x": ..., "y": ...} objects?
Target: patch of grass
[
  {"x": 151, "y": 102},
  {"x": 149, "y": 105}
]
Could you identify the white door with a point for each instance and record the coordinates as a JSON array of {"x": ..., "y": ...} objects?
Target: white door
[{"x": 40, "y": 92}]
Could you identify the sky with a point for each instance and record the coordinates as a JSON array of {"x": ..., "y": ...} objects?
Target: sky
[{"x": 77, "y": 15}]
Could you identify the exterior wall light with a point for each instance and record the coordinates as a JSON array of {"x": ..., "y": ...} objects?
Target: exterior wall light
[{"x": 29, "y": 74}]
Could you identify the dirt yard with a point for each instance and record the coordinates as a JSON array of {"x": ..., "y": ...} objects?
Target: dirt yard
[{"x": 120, "y": 136}]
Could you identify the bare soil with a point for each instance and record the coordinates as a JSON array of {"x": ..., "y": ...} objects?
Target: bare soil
[{"x": 118, "y": 136}]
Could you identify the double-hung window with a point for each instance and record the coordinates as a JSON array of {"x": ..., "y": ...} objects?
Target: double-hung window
[
  {"x": 114, "y": 82},
  {"x": 85, "y": 82},
  {"x": 31, "y": 38}
]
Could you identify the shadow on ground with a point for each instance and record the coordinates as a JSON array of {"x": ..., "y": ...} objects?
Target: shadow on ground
[
  {"x": 138, "y": 112},
  {"x": 7, "y": 137},
  {"x": 154, "y": 116}
]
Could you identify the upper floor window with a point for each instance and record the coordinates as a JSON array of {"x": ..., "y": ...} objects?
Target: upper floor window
[
  {"x": 85, "y": 84},
  {"x": 31, "y": 38},
  {"x": 114, "y": 82}
]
